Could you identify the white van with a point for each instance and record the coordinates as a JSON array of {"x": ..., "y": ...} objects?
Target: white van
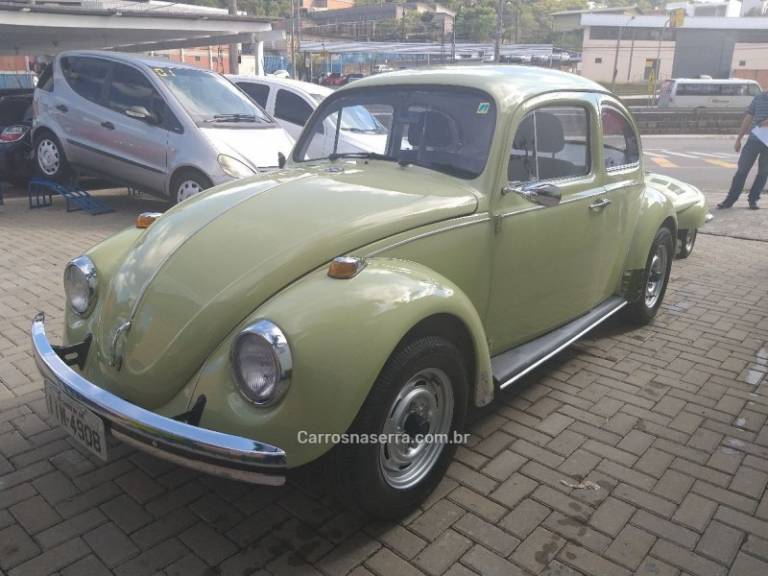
[{"x": 707, "y": 93}]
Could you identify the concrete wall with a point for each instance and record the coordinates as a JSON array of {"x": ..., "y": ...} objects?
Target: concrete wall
[
  {"x": 686, "y": 121},
  {"x": 605, "y": 50},
  {"x": 751, "y": 61},
  {"x": 700, "y": 52}
]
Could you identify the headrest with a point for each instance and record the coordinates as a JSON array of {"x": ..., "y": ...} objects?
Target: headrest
[
  {"x": 437, "y": 130},
  {"x": 549, "y": 133}
]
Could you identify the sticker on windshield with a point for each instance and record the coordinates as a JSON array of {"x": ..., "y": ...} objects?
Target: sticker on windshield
[
  {"x": 483, "y": 107},
  {"x": 163, "y": 72}
]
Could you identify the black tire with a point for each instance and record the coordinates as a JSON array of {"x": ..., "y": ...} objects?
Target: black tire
[
  {"x": 50, "y": 160},
  {"x": 183, "y": 176},
  {"x": 642, "y": 310},
  {"x": 356, "y": 470},
  {"x": 686, "y": 240}
]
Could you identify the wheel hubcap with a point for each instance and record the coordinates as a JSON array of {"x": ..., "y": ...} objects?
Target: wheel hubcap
[
  {"x": 690, "y": 239},
  {"x": 424, "y": 406},
  {"x": 187, "y": 189},
  {"x": 656, "y": 276},
  {"x": 48, "y": 157}
]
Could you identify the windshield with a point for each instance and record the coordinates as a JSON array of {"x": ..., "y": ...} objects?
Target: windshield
[
  {"x": 447, "y": 129},
  {"x": 208, "y": 98}
]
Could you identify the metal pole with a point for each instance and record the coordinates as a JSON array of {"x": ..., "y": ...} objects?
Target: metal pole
[
  {"x": 234, "y": 65},
  {"x": 616, "y": 59},
  {"x": 298, "y": 38},
  {"x": 631, "y": 55},
  {"x": 658, "y": 51},
  {"x": 453, "y": 37},
  {"x": 499, "y": 31}
]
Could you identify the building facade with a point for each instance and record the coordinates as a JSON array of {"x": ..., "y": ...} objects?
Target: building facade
[{"x": 639, "y": 48}]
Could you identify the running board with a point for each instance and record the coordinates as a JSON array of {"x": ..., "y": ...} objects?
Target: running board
[{"x": 510, "y": 366}]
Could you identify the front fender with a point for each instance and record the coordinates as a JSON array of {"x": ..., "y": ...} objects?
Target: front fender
[
  {"x": 341, "y": 332},
  {"x": 655, "y": 210}
]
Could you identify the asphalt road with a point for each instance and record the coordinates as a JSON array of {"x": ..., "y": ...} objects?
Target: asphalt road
[{"x": 709, "y": 163}]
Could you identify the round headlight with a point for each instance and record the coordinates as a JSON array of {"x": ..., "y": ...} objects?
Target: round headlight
[
  {"x": 80, "y": 285},
  {"x": 261, "y": 360}
]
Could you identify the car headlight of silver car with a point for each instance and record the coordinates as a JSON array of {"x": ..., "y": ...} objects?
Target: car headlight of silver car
[
  {"x": 234, "y": 167},
  {"x": 262, "y": 363},
  {"x": 80, "y": 285}
]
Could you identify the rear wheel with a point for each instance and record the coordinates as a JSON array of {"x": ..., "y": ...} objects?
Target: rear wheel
[
  {"x": 186, "y": 183},
  {"x": 50, "y": 161},
  {"x": 420, "y": 394},
  {"x": 686, "y": 239},
  {"x": 654, "y": 281}
]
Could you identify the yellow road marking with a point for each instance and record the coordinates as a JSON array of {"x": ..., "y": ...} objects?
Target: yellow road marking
[
  {"x": 722, "y": 163},
  {"x": 663, "y": 162}
]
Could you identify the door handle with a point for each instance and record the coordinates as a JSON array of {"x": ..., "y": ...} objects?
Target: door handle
[
  {"x": 598, "y": 205},
  {"x": 108, "y": 125},
  {"x": 62, "y": 108}
]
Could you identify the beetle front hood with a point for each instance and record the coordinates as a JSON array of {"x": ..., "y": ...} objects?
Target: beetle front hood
[{"x": 206, "y": 265}]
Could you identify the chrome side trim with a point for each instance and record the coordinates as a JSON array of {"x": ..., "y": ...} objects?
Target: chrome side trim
[
  {"x": 199, "y": 448},
  {"x": 453, "y": 226},
  {"x": 564, "y": 345}
]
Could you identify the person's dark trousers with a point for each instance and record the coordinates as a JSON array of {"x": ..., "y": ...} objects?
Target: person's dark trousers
[{"x": 751, "y": 151}]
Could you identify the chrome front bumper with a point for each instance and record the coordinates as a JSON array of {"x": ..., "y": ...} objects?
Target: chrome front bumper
[{"x": 212, "y": 452}]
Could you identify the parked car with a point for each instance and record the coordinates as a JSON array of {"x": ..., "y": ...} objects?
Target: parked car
[
  {"x": 15, "y": 140},
  {"x": 162, "y": 127},
  {"x": 351, "y": 78},
  {"x": 354, "y": 306},
  {"x": 292, "y": 102},
  {"x": 707, "y": 93},
  {"x": 332, "y": 79},
  {"x": 10, "y": 80},
  {"x": 281, "y": 74}
]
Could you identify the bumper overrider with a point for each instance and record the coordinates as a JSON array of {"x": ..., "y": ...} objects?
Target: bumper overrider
[{"x": 206, "y": 450}]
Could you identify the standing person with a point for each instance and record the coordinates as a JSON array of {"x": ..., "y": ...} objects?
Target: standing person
[{"x": 754, "y": 149}]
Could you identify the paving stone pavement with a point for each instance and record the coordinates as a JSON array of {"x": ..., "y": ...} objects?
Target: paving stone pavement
[{"x": 667, "y": 421}]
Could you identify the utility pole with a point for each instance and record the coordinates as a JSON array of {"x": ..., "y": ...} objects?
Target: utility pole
[
  {"x": 298, "y": 39},
  {"x": 499, "y": 31},
  {"x": 616, "y": 55},
  {"x": 234, "y": 64},
  {"x": 453, "y": 36}
]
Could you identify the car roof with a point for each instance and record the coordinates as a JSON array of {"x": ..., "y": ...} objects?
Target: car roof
[
  {"x": 130, "y": 58},
  {"x": 297, "y": 85},
  {"x": 504, "y": 82}
]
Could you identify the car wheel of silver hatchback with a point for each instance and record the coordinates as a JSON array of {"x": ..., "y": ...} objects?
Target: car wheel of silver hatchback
[
  {"x": 187, "y": 189},
  {"x": 48, "y": 157}
]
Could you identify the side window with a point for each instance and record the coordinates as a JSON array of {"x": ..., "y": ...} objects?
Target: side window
[
  {"x": 259, "y": 92},
  {"x": 131, "y": 89},
  {"x": 45, "y": 82},
  {"x": 291, "y": 108},
  {"x": 551, "y": 143},
  {"x": 620, "y": 146},
  {"x": 754, "y": 90},
  {"x": 86, "y": 76}
]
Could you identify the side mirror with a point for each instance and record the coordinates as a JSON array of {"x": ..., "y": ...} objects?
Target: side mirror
[
  {"x": 542, "y": 193},
  {"x": 140, "y": 113},
  {"x": 280, "y": 159}
]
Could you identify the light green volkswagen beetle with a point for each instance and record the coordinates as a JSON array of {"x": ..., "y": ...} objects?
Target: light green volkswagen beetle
[{"x": 356, "y": 303}]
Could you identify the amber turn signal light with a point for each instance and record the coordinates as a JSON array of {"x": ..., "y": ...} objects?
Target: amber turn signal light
[
  {"x": 345, "y": 267},
  {"x": 145, "y": 219}
]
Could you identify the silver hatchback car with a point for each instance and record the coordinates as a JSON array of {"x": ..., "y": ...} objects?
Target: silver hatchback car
[{"x": 162, "y": 127}]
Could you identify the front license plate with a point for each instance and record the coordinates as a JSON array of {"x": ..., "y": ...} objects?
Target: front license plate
[{"x": 82, "y": 424}]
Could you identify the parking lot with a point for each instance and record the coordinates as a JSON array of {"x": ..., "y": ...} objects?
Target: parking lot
[{"x": 635, "y": 452}]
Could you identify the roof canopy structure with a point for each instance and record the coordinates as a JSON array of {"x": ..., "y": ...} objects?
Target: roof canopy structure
[{"x": 29, "y": 29}]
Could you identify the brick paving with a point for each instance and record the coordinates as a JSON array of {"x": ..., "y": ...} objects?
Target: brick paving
[{"x": 667, "y": 422}]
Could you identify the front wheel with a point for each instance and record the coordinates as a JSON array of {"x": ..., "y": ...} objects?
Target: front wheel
[
  {"x": 686, "y": 239},
  {"x": 187, "y": 183},
  {"x": 415, "y": 411},
  {"x": 654, "y": 280}
]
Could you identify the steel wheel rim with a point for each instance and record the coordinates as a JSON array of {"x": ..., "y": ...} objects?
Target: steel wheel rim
[
  {"x": 656, "y": 276},
  {"x": 187, "y": 189},
  {"x": 424, "y": 406},
  {"x": 690, "y": 239},
  {"x": 48, "y": 157}
]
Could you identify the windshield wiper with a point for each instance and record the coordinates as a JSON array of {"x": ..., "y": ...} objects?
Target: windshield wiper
[
  {"x": 234, "y": 118},
  {"x": 364, "y": 155}
]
